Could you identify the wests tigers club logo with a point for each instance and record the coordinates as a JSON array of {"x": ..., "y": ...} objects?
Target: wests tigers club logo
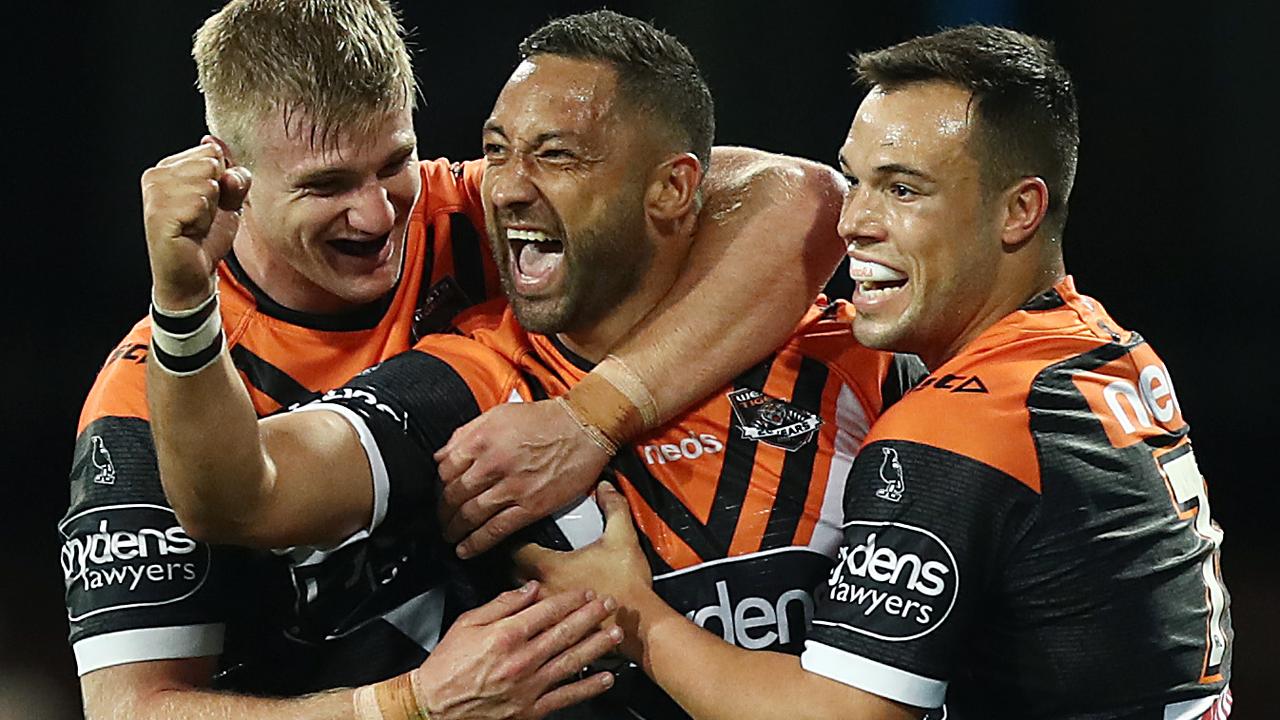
[{"x": 767, "y": 419}]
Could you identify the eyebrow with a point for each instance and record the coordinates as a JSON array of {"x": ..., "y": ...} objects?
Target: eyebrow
[
  {"x": 326, "y": 175},
  {"x": 541, "y": 138}
]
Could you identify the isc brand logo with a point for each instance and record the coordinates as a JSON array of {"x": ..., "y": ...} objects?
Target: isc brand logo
[
  {"x": 121, "y": 556},
  {"x": 690, "y": 448},
  {"x": 900, "y": 582},
  {"x": 756, "y": 622}
]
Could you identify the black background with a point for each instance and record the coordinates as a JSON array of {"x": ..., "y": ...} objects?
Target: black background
[{"x": 1171, "y": 222}]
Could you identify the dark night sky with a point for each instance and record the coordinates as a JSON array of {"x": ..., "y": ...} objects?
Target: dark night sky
[{"x": 1177, "y": 173}]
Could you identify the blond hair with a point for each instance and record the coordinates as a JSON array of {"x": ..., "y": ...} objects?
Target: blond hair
[{"x": 340, "y": 64}]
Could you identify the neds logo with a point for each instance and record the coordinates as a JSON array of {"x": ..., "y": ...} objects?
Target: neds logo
[
  {"x": 121, "y": 556},
  {"x": 900, "y": 581}
]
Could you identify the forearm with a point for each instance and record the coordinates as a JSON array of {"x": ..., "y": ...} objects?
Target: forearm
[
  {"x": 178, "y": 690},
  {"x": 765, "y": 246},
  {"x": 210, "y": 455},
  {"x": 198, "y": 704},
  {"x": 731, "y": 683}
]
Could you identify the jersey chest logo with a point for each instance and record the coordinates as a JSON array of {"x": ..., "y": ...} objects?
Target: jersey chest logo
[{"x": 767, "y": 419}]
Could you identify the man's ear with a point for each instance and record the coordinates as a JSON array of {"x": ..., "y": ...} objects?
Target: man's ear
[
  {"x": 673, "y": 188},
  {"x": 1025, "y": 205}
]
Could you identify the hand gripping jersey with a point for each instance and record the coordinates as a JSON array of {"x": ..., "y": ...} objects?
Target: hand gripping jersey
[
  {"x": 1027, "y": 535},
  {"x": 137, "y": 588},
  {"x": 738, "y": 500}
]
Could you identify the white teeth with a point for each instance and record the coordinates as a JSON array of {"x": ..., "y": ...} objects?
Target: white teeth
[
  {"x": 873, "y": 271},
  {"x": 876, "y": 293},
  {"x": 528, "y": 236}
]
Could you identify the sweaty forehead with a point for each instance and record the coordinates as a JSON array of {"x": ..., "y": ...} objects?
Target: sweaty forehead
[
  {"x": 922, "y": 117},
  {"x": 551, "y": 94}
]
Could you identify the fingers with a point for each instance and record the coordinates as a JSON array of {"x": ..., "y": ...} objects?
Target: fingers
[
  {"x": 597, "y": 643},
  {"x": 468, "y": 501},
  {"x": 505, "y": 605},
  {"x": 553, "y": 645},
  {"x": 496, "y": 529},
  {"x": 572, "y": 694},
  {"x": 548, "y": 612}
]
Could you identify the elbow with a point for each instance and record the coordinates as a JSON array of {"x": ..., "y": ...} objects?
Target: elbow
[{"x": 217, "y": 528}]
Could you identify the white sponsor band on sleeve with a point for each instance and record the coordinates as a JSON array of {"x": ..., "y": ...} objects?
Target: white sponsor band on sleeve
[
  {"x": 874, "y": 677},
  {"x": 143, "y": 644},
  {"x": 377, "y": 466}
]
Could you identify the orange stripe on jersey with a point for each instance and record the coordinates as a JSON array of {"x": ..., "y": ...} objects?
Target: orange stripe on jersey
[
  {"x": 666, "y": 542},
  {"x": 1133, "y": 411},
  {"x": 767, "y": 474}
]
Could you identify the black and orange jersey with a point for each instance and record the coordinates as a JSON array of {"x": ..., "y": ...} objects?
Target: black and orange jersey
[
  {"x": 1027, "y": 535},
  {"x": 738, "y": 499},
  {"x": 137, "y": 588}
]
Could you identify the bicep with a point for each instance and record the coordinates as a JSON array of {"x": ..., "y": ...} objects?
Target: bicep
[{"x": 320, "y": 482}]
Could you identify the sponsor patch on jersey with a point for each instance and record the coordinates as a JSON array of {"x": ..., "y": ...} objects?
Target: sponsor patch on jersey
[
  {"x": 896, "y": 582},
  {"x": 767, "y": 419},
  {"x": 757, "y": 601},
  {"x": 117, "y": 557}
]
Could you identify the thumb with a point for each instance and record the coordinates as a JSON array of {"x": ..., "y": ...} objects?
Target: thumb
[
  {"x": 233, "y": 187},
  {"x": 617, "y": 512}
]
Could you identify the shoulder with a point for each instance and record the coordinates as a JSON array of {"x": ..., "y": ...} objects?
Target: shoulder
[
  {"x": 120, "y": 389},
  {"x": 483, "y": 358},
  {"x": 981, "y": 404}
]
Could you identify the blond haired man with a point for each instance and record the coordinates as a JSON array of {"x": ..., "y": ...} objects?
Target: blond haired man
[{"x": 343, "y": 249}]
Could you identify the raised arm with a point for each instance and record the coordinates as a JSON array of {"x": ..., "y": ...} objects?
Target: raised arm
[
  {"x": 300, "y": 478},
  {"x": 765, "y": 245}
]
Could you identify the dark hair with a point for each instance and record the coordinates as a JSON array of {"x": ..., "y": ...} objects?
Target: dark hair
[
  {"x": 1025, "y": 106},
  {"x": 656, "y": 72}
]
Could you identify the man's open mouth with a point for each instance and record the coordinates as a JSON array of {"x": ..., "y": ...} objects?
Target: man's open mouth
[
  {"x": 361, "y": 248},
  {"x": 535, "y": 256}
]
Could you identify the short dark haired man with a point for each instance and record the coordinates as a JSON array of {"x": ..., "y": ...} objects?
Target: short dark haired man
[{"x": 1026, "y": 533}]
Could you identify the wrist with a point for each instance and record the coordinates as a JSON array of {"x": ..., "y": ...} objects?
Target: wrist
[
  {"x": 176, "y": 298},
  {"x": 186, "y": 341},
  {"x": 643, "y": 620},
  {"x": 398, "y": 698},
  {"x": 613, "y": 401}
]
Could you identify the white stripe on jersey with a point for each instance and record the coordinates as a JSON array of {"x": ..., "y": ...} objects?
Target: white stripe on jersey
[
  {"x": 852, "y": 427},
  {"x": 1195, "y": 709},
  {"x": 143, "y": 644},
  {"x": 874, "y": 677}
]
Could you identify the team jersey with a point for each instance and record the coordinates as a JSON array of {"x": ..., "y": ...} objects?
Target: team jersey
[
  {"x": 738, "y": 500},
  {"x": 138, "y": 588},
  {"x": 1027, "y": 535}
]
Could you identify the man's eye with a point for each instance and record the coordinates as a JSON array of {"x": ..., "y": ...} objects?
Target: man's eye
[
  {"x": 556, "y": 155},
  {"x": 323, "y": 189},
  {"x": 394, "y": 168},
  {"x": 901, "y": 191},
  {"x": 492, "y": 149}
]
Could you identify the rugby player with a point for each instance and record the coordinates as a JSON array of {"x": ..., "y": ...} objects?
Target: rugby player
[
  {"x": 599, "y": 139},
  {"x": 1026, "y": 533},
  {"x": 347, "y": 250}
]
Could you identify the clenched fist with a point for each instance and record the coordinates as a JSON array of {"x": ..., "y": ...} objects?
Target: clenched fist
[{"x": 191, "y": 210}]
